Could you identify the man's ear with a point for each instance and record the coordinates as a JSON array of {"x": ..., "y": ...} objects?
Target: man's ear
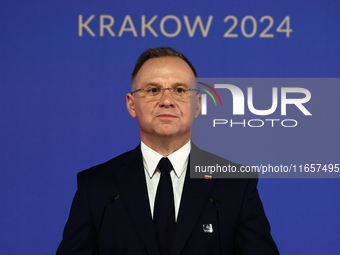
[
  {"x": 198, "y": 105},
  {"x": 130, "y": 105}
]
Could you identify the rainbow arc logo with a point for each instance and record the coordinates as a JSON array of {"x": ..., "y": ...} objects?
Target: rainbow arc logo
[{"x": 204, "y": 97}]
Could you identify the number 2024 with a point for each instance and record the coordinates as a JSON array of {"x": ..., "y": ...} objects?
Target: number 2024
[{"x": 284, "y": 26}]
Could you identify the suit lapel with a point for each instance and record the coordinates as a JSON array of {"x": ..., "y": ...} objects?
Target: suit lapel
[
  {"x": 194, "y": 196},
  {"x": 131, "y": 181},
  {"x": 132, "y": 184}
]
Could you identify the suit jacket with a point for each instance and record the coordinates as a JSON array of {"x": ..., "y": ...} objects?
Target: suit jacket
[{"x": 238, "y": 221}]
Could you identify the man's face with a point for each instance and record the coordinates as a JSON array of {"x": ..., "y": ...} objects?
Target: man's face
[{"x": 166, "y": 116}]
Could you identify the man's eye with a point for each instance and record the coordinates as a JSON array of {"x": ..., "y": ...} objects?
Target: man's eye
[
  {"x": 180, "y": 90},
  {"x": 152, "y": 90}
]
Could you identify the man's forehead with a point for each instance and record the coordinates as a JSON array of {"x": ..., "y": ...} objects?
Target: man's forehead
[
  {"x": 172, "y": 85},
  {"x": 166, "y": 65},
  {"x": 168, "y": 70}
]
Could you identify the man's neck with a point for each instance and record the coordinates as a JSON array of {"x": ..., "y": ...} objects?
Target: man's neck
[{"x": 165, "y": 145}]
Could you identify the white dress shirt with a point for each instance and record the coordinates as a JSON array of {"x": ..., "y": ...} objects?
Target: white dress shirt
[{"x": 179, "y": 160}]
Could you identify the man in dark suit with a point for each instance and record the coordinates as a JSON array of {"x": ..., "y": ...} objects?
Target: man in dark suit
[{"x": 144, "y": 201}]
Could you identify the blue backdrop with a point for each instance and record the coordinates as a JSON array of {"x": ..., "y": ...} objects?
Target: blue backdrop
[{"x": 65, "y": 69}]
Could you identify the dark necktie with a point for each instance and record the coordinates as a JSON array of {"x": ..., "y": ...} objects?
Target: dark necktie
[{"x": 164, "y": 210}]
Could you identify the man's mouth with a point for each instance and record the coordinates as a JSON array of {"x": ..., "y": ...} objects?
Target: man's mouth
[{"x": 165, "y": 115}]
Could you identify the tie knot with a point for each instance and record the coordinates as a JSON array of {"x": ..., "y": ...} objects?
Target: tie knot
[{"x": 164, "y": 165}]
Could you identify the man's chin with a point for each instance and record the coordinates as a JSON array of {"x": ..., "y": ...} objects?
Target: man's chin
[
  {"x": 171, "y": 133},
  {"x": 166, "y": 134}
]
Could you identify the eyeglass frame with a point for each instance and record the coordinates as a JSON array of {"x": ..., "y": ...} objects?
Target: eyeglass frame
[{"x": 170, "y": 90}]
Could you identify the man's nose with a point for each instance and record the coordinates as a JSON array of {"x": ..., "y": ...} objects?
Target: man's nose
[{"x": 167, "y": 98}]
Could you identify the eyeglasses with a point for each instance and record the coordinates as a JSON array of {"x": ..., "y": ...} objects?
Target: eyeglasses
[{"x": 154, "y": 94}]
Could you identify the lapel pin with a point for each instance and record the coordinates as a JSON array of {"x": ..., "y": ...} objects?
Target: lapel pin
[
  {"x": 209, "y": 177},
  {"x": 207, "y": 228}
]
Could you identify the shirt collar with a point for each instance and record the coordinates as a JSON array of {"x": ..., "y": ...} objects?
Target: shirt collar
[{"x": 178, "y": 159}]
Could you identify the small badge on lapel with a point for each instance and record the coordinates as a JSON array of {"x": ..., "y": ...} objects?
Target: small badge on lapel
[{"x": 207, "y": 228}]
